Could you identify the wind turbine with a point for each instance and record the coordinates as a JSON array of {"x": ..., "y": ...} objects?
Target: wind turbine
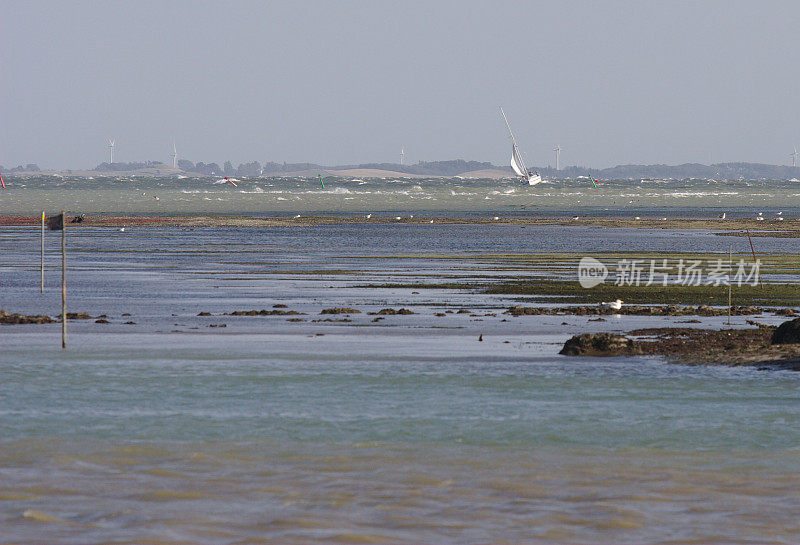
[
  {"x": 402, "y": 155},
  {"x": 557, "y": 149},
  {"x": 174, "y": 155},
  {"x": 794, "y": 157},
  {"x": 111, "y": 147}
]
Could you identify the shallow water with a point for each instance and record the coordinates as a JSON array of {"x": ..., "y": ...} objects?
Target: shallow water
[{"x": 404, "y": 430}]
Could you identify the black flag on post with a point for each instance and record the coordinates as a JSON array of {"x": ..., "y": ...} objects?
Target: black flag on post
[{"x": 55, "y": 223}]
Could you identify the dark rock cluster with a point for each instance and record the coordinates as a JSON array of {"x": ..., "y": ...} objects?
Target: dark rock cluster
[
  {"x": 12, "y": 318},
  {"x": 340, "y": 310},
  {"x": 787, "y": 333},
  {"x": 600, "y": 344},
  {"x": 636, "y": 310}
]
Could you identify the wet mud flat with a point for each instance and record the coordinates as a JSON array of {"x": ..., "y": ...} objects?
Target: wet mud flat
[{"x": 740, "y": 227}]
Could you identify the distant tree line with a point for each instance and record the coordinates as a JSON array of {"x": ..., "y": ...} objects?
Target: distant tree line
[
  {"x": 209, "y": 169},
  {"x": 123, "y": 167},
  {"x": 724, "y": 171},
  {"x": 425, "y": 168},
  {"x": 30, "y": 167}
]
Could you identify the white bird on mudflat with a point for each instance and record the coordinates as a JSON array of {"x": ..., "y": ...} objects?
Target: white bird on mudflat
[
  {"x": 297, "y": 216},
  {"x": 398, "y": 218},
  {"x": 722, "y": 216},
  {"x": 369, "y": 216},
  {"x": 759, "y": 217},
  {"x": 122, "y": 230},
  {"x": 431, "y": 221},
  {"x": 614, "y": 305},
  {"x": 495, "y": 218},
  {"x": 576, "y": 217}
]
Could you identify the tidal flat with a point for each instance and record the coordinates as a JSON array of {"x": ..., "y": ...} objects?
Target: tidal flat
[{"x": 454, "y": 422}]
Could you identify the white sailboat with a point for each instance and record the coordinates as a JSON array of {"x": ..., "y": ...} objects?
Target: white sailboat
[{"x": 517, "y": 163}]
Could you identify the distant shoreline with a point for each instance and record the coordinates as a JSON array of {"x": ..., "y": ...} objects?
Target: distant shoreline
[{"x": 458, "y": 168}]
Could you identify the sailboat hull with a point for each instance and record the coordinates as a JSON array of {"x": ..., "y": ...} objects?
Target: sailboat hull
[{"x": 534, "y": 179}]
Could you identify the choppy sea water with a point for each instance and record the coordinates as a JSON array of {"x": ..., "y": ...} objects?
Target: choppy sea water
[
  {"x": 404, "y": 430},
  {"x": 126, "y": 195}
]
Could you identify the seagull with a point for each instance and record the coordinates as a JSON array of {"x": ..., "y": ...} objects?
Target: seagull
[
  {"x": 722, "y": 216},
  {"x": 398, "y": 218},
  {"x": 431, "y": 221},
  {"x": 614, "y": 305},
  {"x": 122, "y": 230},
  {"x": 411, "y": 216},
  {"x": 156, "y": 198},
  {"x": 297, "y": 216},
  {"x": 636, "y": 218},
  {"x": 576, "y": 217},
  {"x": 759, "y": 217},
  {"x": 495, "y": 218},
  {"x": 369, "y": 216}
]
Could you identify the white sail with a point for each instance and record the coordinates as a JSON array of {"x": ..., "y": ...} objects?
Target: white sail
[{"x": 516, "y": 161}]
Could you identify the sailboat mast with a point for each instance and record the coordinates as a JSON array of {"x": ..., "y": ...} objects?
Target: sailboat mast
[{"x": 513, "y": 140}]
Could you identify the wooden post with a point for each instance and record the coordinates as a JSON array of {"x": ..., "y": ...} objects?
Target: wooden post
[
  {"x": 730, "y": 281},
  {"x": 41, "y": 290},
  {"x": 63, "y": 280},
  {"x": 754, "y": 257}
]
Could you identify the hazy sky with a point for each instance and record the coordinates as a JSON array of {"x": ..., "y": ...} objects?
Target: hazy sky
[{"x": 351, "y": 82}]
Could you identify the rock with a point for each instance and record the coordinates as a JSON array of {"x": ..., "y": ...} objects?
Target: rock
[
  {"x": 523, "y": 311},
  {"x": 391, "y": 311},
  {"x": 758, "y": 324},
  {"x": 204, "y": 314},
  {"x": 78, "y": 316},
  {"x": 340, "y": 310},
  {"x": 262, "y": 312},
  {"x": 102, "y": 321},
  {"x": 788, "y": 312},
  {"x": 11, "y": 318},
  {"x": 600, "y": 344},
  {"x": 787, "y": 333},
  {"x": 705, "y": 310},
  {"x": 279, "y": 306}
]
